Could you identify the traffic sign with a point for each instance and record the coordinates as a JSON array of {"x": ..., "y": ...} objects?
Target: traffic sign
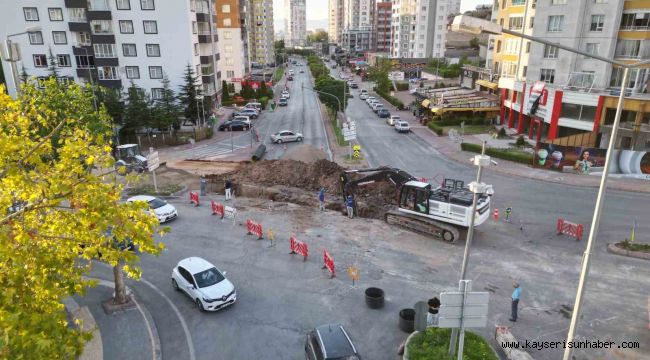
[
  {"x": 466, "y": 309},
  {"x": 153, "y": 161}
]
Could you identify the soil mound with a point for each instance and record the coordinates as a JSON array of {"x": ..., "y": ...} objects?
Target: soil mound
[{"x": 305, "y": 153}]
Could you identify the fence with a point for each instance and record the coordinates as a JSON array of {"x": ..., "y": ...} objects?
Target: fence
[{"x": 172, "y": 138}]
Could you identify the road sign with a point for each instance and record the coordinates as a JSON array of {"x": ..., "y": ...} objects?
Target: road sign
[
  {"x": 456, "y": 306},
  {"x": 153, "y": 161}
]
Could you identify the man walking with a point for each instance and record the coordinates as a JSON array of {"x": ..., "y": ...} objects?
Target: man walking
[
  {"x": 228, "y": 189},
  {"x": 321, "y": 199},
  {"x": 349, "y": 204},
  {"x": 516, "y": 294}
]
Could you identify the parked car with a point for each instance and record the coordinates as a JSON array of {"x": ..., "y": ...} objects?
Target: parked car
[
  {"x": 383, "y": 113},
  {"x": 402, "y": 126},
  {"x": 291, "y": 71},
  {"x": 302, "y": 71},
  {"x": 164, "y": 211},
  {"x": 242, "y": 118},
  {"x": 251, "y": 113},
  {"x": 370, "y": 99},
  {"x": 363, "y": 96},
  {"x": 329, "y": 342},
  {"x": 254, "y": 105},
  {"x": 363, "y": 91},
  {"x": 283, "y": 102},
  {"x": 232, "y": 125},
  {"x": 377, "y": 106},
  {"x": 286, "y": 94},
  {"x": 206, "y": 285},
  {"x": 286, "y": 136},
  {"x": 290, "y": 78},
  {"x": 391, "y": 120}
]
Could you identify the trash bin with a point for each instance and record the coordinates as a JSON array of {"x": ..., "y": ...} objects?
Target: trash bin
[
  {"x": 204, "y": 186},
  {"x": 374, "y": 298},
  {"x": 407, "y": 320}
]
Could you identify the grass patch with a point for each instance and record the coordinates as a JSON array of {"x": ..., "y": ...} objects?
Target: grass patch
[
  {"x": 278, "y": 74},
  {"x": 634, "y": 246},
  {"x": 433, "y": 344},
  {"x": 435, "y": 127},
  {"x": 149, "y": 190},
  {"x": 505, "y": 154},
  {"x": 470, "y": 129},
  {"x": 340, "y": 140}
]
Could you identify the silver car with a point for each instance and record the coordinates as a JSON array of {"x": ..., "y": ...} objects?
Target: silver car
[{"x": 286, "y": 136}]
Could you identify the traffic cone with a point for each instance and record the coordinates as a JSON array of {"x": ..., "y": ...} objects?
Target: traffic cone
[{"x": 495, "y": 215}]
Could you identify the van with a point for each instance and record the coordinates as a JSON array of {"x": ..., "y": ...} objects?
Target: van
[{"x": 254, "y": 105}]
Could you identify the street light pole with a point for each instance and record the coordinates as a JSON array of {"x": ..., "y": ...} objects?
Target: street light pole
[{"x": 10, "y": 56}]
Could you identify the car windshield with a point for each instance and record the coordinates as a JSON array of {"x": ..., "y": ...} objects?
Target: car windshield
[
  {"x": 157, "y": 203},
  {"x": 208, "y": 277}
]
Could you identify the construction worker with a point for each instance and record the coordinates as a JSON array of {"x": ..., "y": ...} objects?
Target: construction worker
[
  {"x": 349, "y": 204},
  {"x": 228, "y": 189},
  {"x": 321, "y": 199}
]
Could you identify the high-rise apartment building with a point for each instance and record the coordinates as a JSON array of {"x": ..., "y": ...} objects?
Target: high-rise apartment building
[
  {"x": 116, "y": 41},
  {"x": 358, "y": 25},
  {"x": 419, "y": 27},
  {"x": 260, "y": 28},
  {"x": 296, "y": 23},
  {"x": 335, "y": 20},
  {"x": 383, "y": 19},
  {"x": 233, "y": 41}
]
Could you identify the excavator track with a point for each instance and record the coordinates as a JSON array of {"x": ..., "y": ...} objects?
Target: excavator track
[{"x": 422, "y": 225}]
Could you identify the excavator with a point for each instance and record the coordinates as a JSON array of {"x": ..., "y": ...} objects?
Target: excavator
[{"x": 439, "y": 212}]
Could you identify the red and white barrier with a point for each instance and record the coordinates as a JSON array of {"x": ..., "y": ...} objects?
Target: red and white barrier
[
  {"x": 217, "y": 209},
  {"x": 298, "y": 247},
  {"x": 569, "y": 228},
  {"x": 328, "y": 263},
  {"x": 194, "y": 198},
  {"x": 495, "y": 215},
  {"x": 254, "y": 229}
]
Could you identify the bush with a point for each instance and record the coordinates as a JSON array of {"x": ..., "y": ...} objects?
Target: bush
[
  {"x": 264, "y": 101},
  {"x": 402, "y": 86},
  {"x": 391, "y": 99},
  {"x": 506, "y": 154},
  {"x": 434, "y": 344},
  {"x": 633, "y": 246},
  {"x": 433, "y": 125},
  {"x": 521, "y": 142},
  {"x": 502, "y": 133}
]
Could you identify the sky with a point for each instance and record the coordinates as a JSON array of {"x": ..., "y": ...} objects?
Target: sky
[{"x": 317, "y": 12}]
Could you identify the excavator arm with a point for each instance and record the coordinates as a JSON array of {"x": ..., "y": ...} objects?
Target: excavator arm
[{"x": 383, "y": 173}]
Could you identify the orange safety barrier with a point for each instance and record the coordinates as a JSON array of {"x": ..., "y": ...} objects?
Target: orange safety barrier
[
  {"x": 194, "y": 198},
  {"x": 254, "y": 229},
  {"x": 217, "y": 209},
  {"x": 328, "y": 263},
  {"x": 569, "y": 228},
  {"x": 298, "y": 247},
  {"x": 495, "y": 215}
]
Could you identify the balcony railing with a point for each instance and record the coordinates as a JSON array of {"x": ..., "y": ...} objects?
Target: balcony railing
[{"x": 635, "y": 28}]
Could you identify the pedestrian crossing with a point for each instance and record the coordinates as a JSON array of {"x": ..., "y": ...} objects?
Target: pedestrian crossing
[{"x": 209, "y": 151}]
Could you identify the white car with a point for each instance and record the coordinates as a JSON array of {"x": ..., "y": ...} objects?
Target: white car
[
  {"x": 363, "y": 96},
  {"x": 402, "y": 126},
  {"x": 363, "y": 91},
  {"x": 370, "y": 99},
  {"x": 164, "y": 211},
  {"x": 286, "y": 136},
  {"x": 242, "y": 118},
  {"x": 286, "y": 94},
  {"x": 376, "y": 106},
  {"x": 206, "y": 285},
  {"x": 393, "y": 119}
]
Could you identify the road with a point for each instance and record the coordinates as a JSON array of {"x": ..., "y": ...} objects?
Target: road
[{"x": 301, "y": 115}]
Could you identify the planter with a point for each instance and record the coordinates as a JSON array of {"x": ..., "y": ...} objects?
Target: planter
[
  {"x": 374, "y": 298},
  {"x": 407, "y": 320}
]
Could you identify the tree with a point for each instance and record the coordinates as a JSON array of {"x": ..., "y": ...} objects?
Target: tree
[
  {"x": 318, "y": 36},
  {"x": 225, "y": 93},
  {"x": 23, "y": 75},
  {"x": 60, "y": 202},
  {"x": 278, "y": 45},
  {"x": 137, "y": 112},
  {"x": 188, "y": 95},
  {"x": 111, "y": 99},
  {"x": 247, "y": 91},
  {"x": 52, "y": 71},
  {"x": 166, "y": 111},
  {"x": 474, "y": 43}
]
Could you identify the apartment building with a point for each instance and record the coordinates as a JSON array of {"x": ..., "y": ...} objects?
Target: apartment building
[
  {"x": 383, "y": 21},
  {"x": 260, "y": 28},
  {"x": 335, "y": 21},
  {"x": 296, "y": 23},
  {"x": 358, "y": 25},
  {"x": 419, "y": 27},
  {"x": 114, "y": 42},
  {"x": 233, "y": 41}
]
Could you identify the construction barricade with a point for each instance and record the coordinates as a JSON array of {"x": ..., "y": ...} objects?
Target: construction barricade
[
  {"x": 194, "y": 198},
  {"x": 217, "y": 209},
  {"x": 495, "y": 214},
  {"x": 298, "y": 247},
  {"x": 569, "y": 228},
  {"x": 328, "y": 263},
  {"x": 254, "y": 229}
]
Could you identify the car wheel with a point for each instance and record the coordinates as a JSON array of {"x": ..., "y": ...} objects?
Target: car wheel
[
  {"x": 200, "y": 305},
  {"x": 299, "y": 139},
  {"x": 279, "y": 141},
  {"x": 175, "y": 285}
]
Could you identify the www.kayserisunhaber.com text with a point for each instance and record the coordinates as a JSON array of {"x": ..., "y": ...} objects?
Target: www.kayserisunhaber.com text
[{"x": 582, "y": 344}]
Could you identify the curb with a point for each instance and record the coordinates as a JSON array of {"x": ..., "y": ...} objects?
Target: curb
[
  {"x": 93, "y": 349},
  {"x": 612, "y": 248}
]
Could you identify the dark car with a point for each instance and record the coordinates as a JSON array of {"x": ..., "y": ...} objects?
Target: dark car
[
  {"x": 283, "y": 102},
  {"x": 233, "y": 125},
  {"x": 329, "y": 342},
  {"x": 290, "y": 78},
  {"x": 383, "y": 113},
  {"x": 354, "y": 85}
]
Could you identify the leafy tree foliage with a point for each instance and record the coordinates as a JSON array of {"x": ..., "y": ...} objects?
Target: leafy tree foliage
[
  {"x": 166, "y": 111},
  {"x": 137, "y": 113},
  {"x": 188, "y": 95},
  {"x": 225, "y": 93},
  {"x": 58, "y": 203},
  {"x": 52, "y": 71},
  {"x": 111, "y": 99},
  {"x": 319, "y": 35}
]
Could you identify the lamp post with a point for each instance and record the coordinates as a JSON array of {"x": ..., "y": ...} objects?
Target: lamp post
[
  {"x": 13, "y": 58},
  {"x": 476, "y": 26}
]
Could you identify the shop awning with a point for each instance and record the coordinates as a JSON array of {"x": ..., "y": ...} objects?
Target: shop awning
[
  {"x": 438, "y": 111},
  {"x": 426, "y": 103},
  {"x": 487, "y": 84}
]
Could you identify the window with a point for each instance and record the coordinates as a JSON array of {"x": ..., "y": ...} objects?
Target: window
[
  {"x": 227, "y": 35},
  {"x": 600, "y": 1},
  {"x": 230, "y": 74},
  {"x": 155, "y": 72},
  {"x": 59, "y": 37},
  {"x": 104, "y": 50},
  {"x": 108, "y": 73},
  {"x": 532, "y": 22},
  {"x": 597, "y": 23},
  {"x": 592, "y": 48},
  {"x": 123, "y": 4},
  {"x": 635, "y": 21},
  {"x": 77, "y": 14},
  {"x": 550, "y": 52},
  {"x": 227, "y": 22},
  {"x": 229, "y": 61},
  {"x": 40, "y": 60},
  {"x": 518, "y": 2},
  {"x": 101, "y": 27},
  {"x": 194, "y": 27},
  {"x": 153, "y": 50},
  {"x": 628, "y": 48},
  {"x": 132, "y": 72},
  {"x": 225, "y": 8},
  {"x": 147, "y": 5},
  {"x": 83, "y": 38},
  {"x": 547, "y": 75},
  {"x": 157, "y": 93},
  {"x": 555, "y": 23},
  {"x": 527, "y": 47},
  {"x": 196, "y": 49},
  {"x": 150, "y": 26},
  {"x": 227, "y": 49},
  {"x": 84, "y": 61},
  {"x": 63, "y": 60},
  {"x": 31, "y": 13},
  {"x": 558, "y": 2},
  {"x": 56, "y": 14},
  {"x": 126, "y": 27},
  {"x": 498, "y": 46},
  {"x": 129, "y": 50},
  {"x": 515, "y": 23},
  {"x": 35, "y": 38},
  {"x": 524, "y": 71}
]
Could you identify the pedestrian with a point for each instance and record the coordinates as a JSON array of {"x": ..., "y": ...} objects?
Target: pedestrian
[
  {"x": 413, "y": 112},
  {"x": 349, "y": 204},
  {"x": 321, "y": 199},
  {"x": 516, "y": 294},
  {"x": 228, "y": 189}
]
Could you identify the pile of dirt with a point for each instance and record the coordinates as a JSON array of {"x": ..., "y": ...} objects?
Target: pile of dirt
[{"x": 305, "y": 153}]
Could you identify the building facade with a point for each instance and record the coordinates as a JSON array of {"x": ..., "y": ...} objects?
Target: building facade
[
  {"x": 260, "y": 29},
  {"x": 335, "y": 20},
  {"x": 296, "y": 23},
  {"x": 358, "y": 25},
  {"x": 383, "y": 19},
  {"x": 233, "y": 41},
  {"x": 115, "y": 42}
]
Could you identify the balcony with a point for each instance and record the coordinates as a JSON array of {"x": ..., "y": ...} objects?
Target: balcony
[
  {"x": 79, "y": 26},
  {"x": 82, "y": 50},
  {"x": 76, "y": 3},
  {"x": 99, "y": 15}
]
